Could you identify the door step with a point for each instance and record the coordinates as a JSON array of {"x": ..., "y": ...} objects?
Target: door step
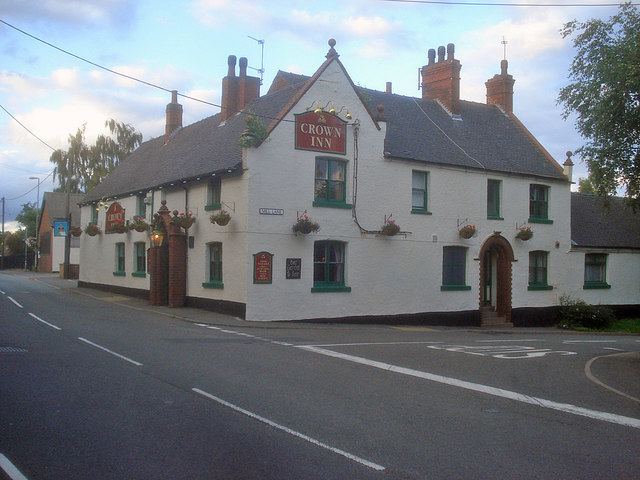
[{"x": 489, "y": 318}]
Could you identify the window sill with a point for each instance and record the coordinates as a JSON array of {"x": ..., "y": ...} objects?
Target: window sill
[
  {"x": 217, "y": 285},
  {"x": 418, "y": 211},
  {"x": 539, "y": 287},
  {"x": 330, "y": 288},
  {"x": 139, "y": 274},
  {"x": 455, "y": 288},
  {"x": 119, "y": 274},
  {"x": 596, "y": 286},
  {"x": 213, "y": 206},
  {"x": 325, "y": 204},
  {"x": 540, "y": 220},
  {"x": 491, "y": 217}
]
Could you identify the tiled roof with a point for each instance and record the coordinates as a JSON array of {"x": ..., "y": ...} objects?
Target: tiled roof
[
  {"x": 595, "y": 223},
  {"x": 420, "y": 130},
  {"x": 196, "y": 150}
]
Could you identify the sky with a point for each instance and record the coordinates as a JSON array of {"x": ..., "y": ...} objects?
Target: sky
[{"x": 183, "y": 45}]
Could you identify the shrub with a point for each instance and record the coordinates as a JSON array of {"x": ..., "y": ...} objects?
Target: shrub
[{"x": 576, "y": 313}]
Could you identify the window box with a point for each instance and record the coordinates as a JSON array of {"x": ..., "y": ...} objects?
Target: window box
[
  {"x": 213, "y": 284},
  {"x": 139, "y": 274},
  {"x": 595, "y": 285}
]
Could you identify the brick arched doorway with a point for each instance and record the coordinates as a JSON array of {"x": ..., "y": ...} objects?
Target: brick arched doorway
[{"x": 496, "y": 257}]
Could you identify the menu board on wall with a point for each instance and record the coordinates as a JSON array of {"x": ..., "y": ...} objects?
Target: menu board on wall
[
  {"x": 293, "y": 268},
  {"x": 262, "y": 267}
]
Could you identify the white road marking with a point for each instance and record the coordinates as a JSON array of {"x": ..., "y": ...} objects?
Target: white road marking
[
  {"x": 10, "y": 469},
  {"x": 285, "y": 344},
  {"x": 611, "y": 348},
  {"x": 201, "y": 324},
  {"x": 213, "y": 328},
  {"x": 476, "y": 387},
  {"x": 109, "y": 351},
  {"x": 11, "y": 298},
  {"x": 372, "y": 343},
  {"x": 497, "y": 340},
  {"x": 589, "y": 341},
  {"x": 46, "y": 323},
  {"x": 594, "y": 379},
  {"x": 361, "y": 461},
  {"x": 507, "y": 352},
  {"x": 2, "y": 292}
]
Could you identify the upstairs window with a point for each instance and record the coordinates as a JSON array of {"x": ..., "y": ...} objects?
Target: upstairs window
[
  {"x": 94, "y": 214},
  {"x": 538, "y": 271},
  {"x": 595, "y": 271},
  {"x": 141, "y": 206},
  {"x": 213, "y": 194},
  {"x": 454, "y": 266},
  {"x": 539, "y": 204},
  {"x": 493, "y": 199},
  {"x": 119, "y": 257},
  {"x": 419, "y": 182},
  {"x": 330, "y": 184}
]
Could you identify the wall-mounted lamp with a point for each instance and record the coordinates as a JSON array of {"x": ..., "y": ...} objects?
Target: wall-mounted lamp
[{"x": 157, "y": 237}]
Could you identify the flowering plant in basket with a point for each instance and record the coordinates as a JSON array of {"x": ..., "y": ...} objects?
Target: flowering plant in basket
[
  {"x": 221, "y": 218},
  {"x": 76, "y": 231},
  {"x": 467, "y": 231},
  {"x": 524, "y": 233},
  {"x": 138, "y": 224},
  {"x": 305, "y": 225},
  {"x": 184, "y": 220},
  {"x": 92, "y": 230},
  {"x": 390, "y": 227}
]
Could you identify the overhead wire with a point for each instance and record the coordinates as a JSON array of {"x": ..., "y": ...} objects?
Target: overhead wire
[{"x": 505, "y": 4}]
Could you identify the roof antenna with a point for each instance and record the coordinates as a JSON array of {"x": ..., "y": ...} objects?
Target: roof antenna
[
  {"x": 261, "y": 69},
  {"x": 504, "y": 48}
]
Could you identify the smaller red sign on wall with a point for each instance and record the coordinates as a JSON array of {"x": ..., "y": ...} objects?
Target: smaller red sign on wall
[
  {"x": 321, "y": 132},
  {"x": 262, "y": 267},
  {"x": 114, "y": 218}
]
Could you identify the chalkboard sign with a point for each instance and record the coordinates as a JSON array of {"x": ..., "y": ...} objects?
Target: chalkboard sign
[{"x": 294, "y": 268}]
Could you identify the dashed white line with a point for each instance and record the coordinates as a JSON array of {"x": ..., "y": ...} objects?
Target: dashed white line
[
  {"x": 359, "y": 460},
  {"x": 110, "y": 351},
  {"x": 10, "y": 469},
  {"x": 476, "y": 387},
  {"x": 45, "y": 322},
  {"x": 13, "y": 300},
  {"x": 492, "y": 341},
  {"x": 611, "y": 348},
  {"x": 589, "y": 341},
  {"x": 285, "y": 344},
  {"x": 2, "y": 292},
  {"x": 371, "y": 343}
]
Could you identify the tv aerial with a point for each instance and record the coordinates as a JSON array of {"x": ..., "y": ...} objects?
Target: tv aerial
[{"x": 261, "y": 69}]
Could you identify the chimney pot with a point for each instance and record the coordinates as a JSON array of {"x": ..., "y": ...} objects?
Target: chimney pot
[
  {"x": 440, "y": 53},
  {"x": 243, "y": 66},
  {"x": 389, "y": 89},
  {"x": 450, "y": 51},
  {"x": 173, "y": 116},
  {"x": 174, "y": 96},
  {"x": 500, "y": 89},
  {"x": 231, "y": 61},
  {"x": 441, "y": 79},
  {"x": 432, "y": 56},
  {"x": 504, "y": 65}
]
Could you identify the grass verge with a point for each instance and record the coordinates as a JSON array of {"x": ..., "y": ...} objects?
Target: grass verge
[{"x": 625, "y": 325}]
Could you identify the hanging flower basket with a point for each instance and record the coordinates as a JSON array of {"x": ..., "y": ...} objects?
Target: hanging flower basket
[
  {"x": 222, "y": 218},
  {"x": 139, "y": 224},
  {"x": 76, "y": 231},
  {"x": 524, "y": 233},
  {"x": 92, "y": 230},
  {"x": 390, "y": 227},
  {"x": 305, "y": 225},
  {"x": 184, "y": 220},
  {"x": 467, "y": 231}
]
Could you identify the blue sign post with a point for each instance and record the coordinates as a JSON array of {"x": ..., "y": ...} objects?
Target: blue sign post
[{"x": 60, "y": 228}]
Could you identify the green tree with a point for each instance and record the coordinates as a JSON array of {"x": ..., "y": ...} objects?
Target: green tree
[
  {"x": 28, "y": 217},
  {"x": 585, "y": 186},
  {"x": 14, "y": 242},
  {"x": 81, "y": 167},
  {"x": 604, "y": 93}
]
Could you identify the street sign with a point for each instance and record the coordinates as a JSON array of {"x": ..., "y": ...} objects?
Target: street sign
[{"x": 60, "y": 228}]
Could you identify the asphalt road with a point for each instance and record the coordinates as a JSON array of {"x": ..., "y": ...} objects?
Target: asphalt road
[{"x": 99, "y": 386}]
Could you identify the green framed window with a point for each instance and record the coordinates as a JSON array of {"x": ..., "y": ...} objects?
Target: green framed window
[
  {"x": 539, "y": 204},
  {"x": 330, "y": 187},
  {"x": 94, "y": 213},
  {"x": 328, "y": 267},
  {"x": 214, "y": 266},
  {"x": 119, "y": 257},
  {"x": 493, "y": 199},
  {"x": 595, "y": 271},
  {"x": 419, "y": 192},
  {"x": 141, "y": 206},
  {"x": 454, "y": 267},
  {"x": 139, "y": 259},
  {"x": 538, "y": 270},
  {"x": 214, "y": 188}
]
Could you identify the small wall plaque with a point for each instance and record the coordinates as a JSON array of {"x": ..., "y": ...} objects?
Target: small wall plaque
[{"x": 293, "y": 268}]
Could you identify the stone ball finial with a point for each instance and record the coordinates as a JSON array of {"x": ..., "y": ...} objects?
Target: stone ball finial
[
  {"x": 332, "y": 42},
  {"x": 332, "y": 52}
]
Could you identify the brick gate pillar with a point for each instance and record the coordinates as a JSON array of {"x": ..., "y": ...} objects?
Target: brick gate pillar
[{"x": 177, "y": 266}]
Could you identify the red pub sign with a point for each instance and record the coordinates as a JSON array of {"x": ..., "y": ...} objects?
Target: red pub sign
[
  {"x": 262, "y": 267},
  {"x": 321, "y": 132},
  {"x": 114, "y": 216}
]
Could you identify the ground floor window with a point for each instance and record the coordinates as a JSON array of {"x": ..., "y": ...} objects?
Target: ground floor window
[
  {"x": 119, "y": 260},
  {"x": 454, "y": 266},
  {"x": 328, "y": 266},
  {"x": 595, "y": 270},
  {"x": 538, "y": 271},
  {"x": 214, "y": 266},
  {"x": 139, "y": 259}
]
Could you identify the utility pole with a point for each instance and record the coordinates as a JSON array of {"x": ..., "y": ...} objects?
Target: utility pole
[
  {"x": 37, "y": 253},
  {"x": 67, "y": 239},
  {"x": 3, "y": 240}
]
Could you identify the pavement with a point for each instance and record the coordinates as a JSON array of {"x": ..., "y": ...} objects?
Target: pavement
[{"x": 619, "y": 373}]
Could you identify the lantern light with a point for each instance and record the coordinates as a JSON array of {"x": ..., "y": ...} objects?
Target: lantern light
[{"x": 157, "y": 237}]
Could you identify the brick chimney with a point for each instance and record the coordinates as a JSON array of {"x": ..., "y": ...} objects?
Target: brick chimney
[
  {"x": 229, "y": 91},
  {"x": 441, "y": 79},
  {"x": 500, "y": 89},
  {"x": 173, "y": 116},
  {"x": 248, "y": 87}
]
